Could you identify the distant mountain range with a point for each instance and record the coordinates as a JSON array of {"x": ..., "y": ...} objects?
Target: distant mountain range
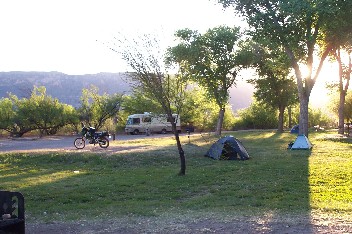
[{"x": 68, "y": 88}]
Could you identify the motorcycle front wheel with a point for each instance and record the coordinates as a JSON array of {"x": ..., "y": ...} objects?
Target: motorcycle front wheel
[
  {"x": 80, "y": 143},
  {"x": 103, "y": 142}
]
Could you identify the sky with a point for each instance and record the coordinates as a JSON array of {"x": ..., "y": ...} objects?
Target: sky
[{"x": 70, "y": 36}]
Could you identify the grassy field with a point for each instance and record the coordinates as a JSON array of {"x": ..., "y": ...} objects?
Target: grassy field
[{"x": 72, "y": 186}]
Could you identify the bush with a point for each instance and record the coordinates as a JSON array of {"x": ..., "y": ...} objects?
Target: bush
[{"x": 256, "y": 116}]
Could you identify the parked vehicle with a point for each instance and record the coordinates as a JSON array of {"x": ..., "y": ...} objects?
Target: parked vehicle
[
  {"x": 148, "y": 122},
  {"x": 93, "y": 137}
]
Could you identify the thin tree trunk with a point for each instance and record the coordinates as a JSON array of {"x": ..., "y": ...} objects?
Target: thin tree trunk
[
  {"x": 341, "y": 129},
  {"x": 179, "y": 148},
  {"x": 220, "y": 121},
  {"x": 289, "y": 111},
  {"x": 343, "y": 91},
  {"x": 182, "y": 155},
  {"x": 281, "y": 119}
]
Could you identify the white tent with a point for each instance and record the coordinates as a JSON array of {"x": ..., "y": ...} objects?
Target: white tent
[{"x": 301, "y": 142}]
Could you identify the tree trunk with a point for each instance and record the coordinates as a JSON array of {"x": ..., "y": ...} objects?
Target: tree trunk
[
  {"x": 289, "y": 111},
  {"x": 303, "y": 115},
  {"x": 220, "y": 121},
  {"x": 281, "y": 119},
  {"x": 343, "y": 90},
  {"x": 182, "y": 155},
  {"x": 180, "y": 150},
  {"x": 341, "y": 129},
  {"x": 304, "y": 91}
]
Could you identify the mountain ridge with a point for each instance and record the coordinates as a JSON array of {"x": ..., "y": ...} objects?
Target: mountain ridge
[{"x": 68, "y": 88}]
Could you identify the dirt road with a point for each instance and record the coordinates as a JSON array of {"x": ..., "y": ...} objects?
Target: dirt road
[{"x": 54, "y": 143}]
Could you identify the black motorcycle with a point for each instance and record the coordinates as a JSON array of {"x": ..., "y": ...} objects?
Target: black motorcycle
[{"x": 93, "y": 137}]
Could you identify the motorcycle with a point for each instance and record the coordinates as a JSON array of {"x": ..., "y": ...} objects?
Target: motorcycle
[{"x": 93, "y": 137}]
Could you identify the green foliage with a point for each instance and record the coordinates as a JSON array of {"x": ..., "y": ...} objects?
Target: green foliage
[
  {"x": 139, "y": 103},
  {"x": 337, "y": 32},
  {"x": 96, "y": 109},
  {"x": 208, "y": 59},
  {"x": 295, "y": 27},
  {"x": 274, "y": 86},
  {"x": 47, "y": 113},
  {"x": 293, "y": 24},
  {"x": 334, "y": 105},
  {"x": 198, "y": 110},
  {"x": 38, "y": 112},
  {"x": 316, "y": 117},
  {"x": 7, "y": 113},
  {"x": 256, "y": 116}
]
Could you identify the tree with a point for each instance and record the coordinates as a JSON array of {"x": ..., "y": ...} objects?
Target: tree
[
  {"x": 151, "y": 77},
  {"x": 256, "y": 116},
  {"x": 343, "y": 85},
  {"x": 295, "y": 27},
  {"x": 97, "y": 109},
  {"x": 339, "y": 35},
  {"x": 334, "y": 106},
  {"x": 201, "y": 112},
  {"x": 139, "y": 103},
  {"x": 274, "y": 86},
  {"x": 38, "y": 112},
  {"x": 7, "y": 114},
  {"x": 210, "y": 60},
  {"x": 47, "y": 114}
]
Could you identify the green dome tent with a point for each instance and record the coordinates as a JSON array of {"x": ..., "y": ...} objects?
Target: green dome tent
[{"x": 228, "y": 148}]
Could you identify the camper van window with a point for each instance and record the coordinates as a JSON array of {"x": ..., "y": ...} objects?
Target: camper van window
[
  {"x": 136, "y": 120},
  {"x": 131, "y": 121},
  {"x": 147, "y": 120}
]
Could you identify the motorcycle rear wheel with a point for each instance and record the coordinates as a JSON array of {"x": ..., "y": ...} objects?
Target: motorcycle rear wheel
[
  {"x": 104, "y": 142},
  {"x": 80, "y": 143}
]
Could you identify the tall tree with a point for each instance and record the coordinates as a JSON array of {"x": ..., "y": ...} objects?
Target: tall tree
[
  {"x": 210, "y": 60},
  {"x": 345, "y": 70},
  {"x": 334, "y": 106},
  {"x": 274, "y": 86},
  {"x": 151, "y": 77},
  {"x": 339, "y": 35},
  {"x": 295, "y": 26}
]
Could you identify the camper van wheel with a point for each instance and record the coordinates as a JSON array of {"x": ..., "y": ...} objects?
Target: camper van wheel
[
  {"x": 163, "y": 131},
  {"x": 135, "y": 132}
]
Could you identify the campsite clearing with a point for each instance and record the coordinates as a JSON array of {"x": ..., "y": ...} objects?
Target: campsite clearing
[{"x": 141, "y": 190}]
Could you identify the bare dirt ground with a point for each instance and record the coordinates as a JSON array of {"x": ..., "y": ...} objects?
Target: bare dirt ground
[{"x": 185, "y": 223}]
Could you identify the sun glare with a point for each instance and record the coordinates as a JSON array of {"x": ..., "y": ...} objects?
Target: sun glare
[{"x": 320, "y": 95}]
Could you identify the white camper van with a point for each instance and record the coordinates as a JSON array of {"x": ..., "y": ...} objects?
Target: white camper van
[{"x": 141, "y": 123}]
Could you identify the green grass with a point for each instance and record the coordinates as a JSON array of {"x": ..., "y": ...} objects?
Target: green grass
[{"x": 65, "y": 186}]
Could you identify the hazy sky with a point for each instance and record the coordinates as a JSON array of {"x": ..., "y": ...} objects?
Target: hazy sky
[{"x": 69, "y": 35}]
